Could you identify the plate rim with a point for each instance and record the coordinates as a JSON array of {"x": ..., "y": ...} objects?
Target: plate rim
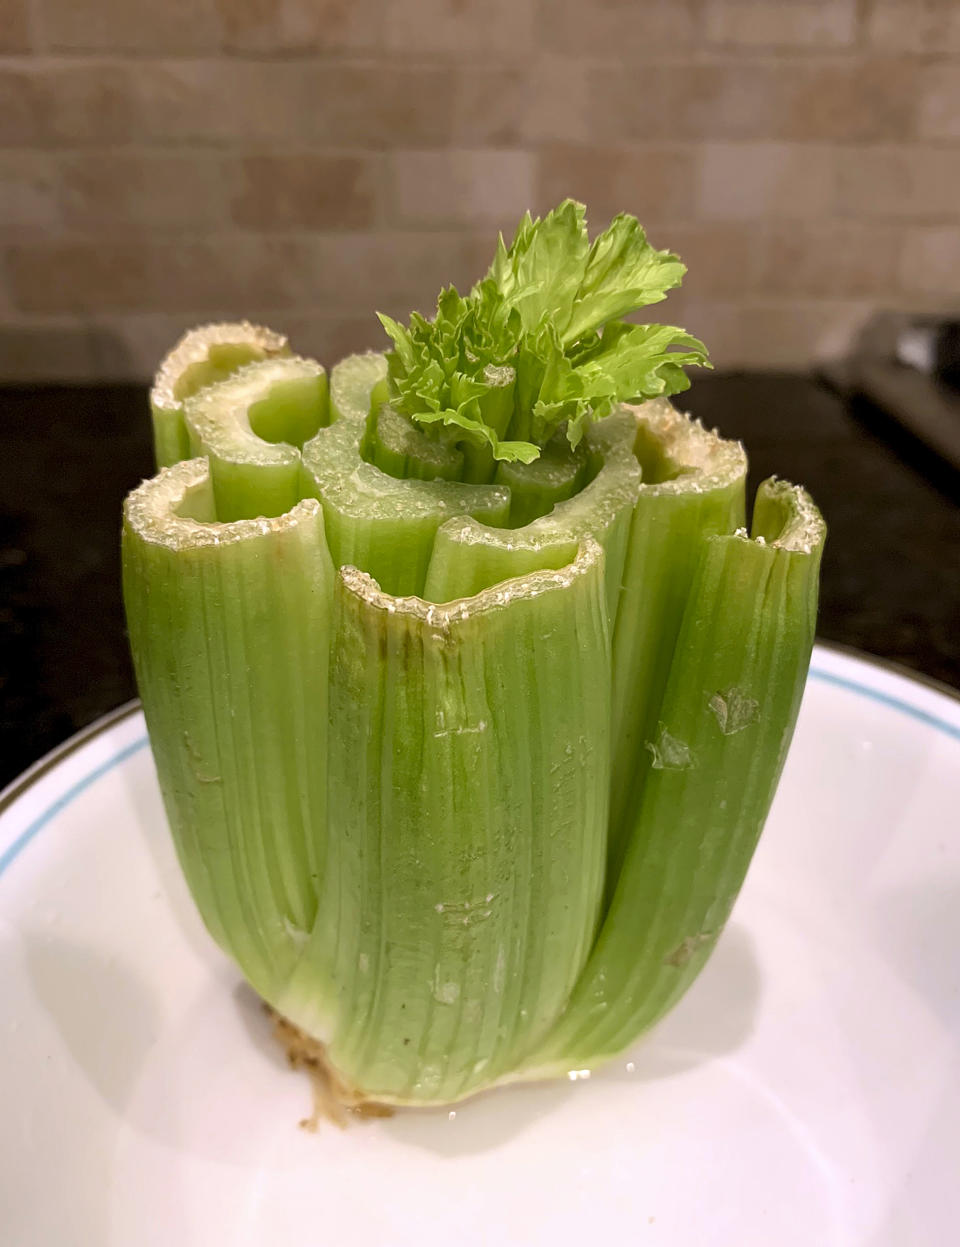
[
  {"x": 46, "y": 762},
  {"x": 44, "y": 765}
]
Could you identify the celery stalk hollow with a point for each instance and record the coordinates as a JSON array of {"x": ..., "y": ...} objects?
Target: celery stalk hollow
[{"x": 467, "y": 685}]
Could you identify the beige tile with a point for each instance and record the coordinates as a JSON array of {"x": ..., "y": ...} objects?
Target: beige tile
[
  {"x": 102, "y": 273},
  {"x": 14, "y": 26},
  {"x": 373, "y": 105},
  {"x": 620, "y": 28},
  {"x": 488, "y": 106},
  {"x": 940, "y": 102},
  {"x": 750, "y": 181},
  {"x": 914, "y": 25},
  {"x": 121, "y": 26},
  {"x": 690, "y": 101},
  {"x": 308, "y": 190},
  {"x": 475, "y": 255},
  {"x": 487, "y": 187},
  {"x": 557, "y": 101},
  {"x": 922, "y": 183},
  {"x": 746, "y": 99},
  {"x": 834, "y": 259},
  {"x": 82, "y": 103},
  {"x": 299, "y": 25},
  {"x": 28, "y": 190},
  {"x": 508, "y": 104},
  {"x": 24, "y": 108},
  {"x": 130, "y": 347},
  {"x": 869, "y": 100},
  {"x": 171, "y": 100},
  {"x": 798, "y": 23},
  {"x": 393, "y": 271},
  {"x": 102, "y": 101},
  {"x": 464, "y": 28},
  {"x": 770, "y": 334},
  {"x": 152, "y": 188},
  {"x": 201, "y": 101},
  {"x": 931, "y": 260},
  {"x": 286, "y": 101},
  {"x": 227, "y": 274},
  {"x": 329, "y": 338},
  {"x": 721, "y": 257},
  {"x": 146, "y": 271},
  {"x": 654, "y": 183},
  {"x": 9, "y": 314}
]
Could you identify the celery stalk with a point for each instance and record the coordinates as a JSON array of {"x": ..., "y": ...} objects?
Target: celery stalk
[
  {"x": 468, "y": 556},
  {"x": 373, "y": 520},
  {"x": 250, "y": 427},
  {"x": 467, "y": 689},
  {"x": 724, "y": 726},
  {"x": 469, "y": 787},
  {"x": 694, "y": 486},
  {"x": 202, "y": 357},
  {"x": 230, "y": 629},
  {"x": 395, "y": 446}
]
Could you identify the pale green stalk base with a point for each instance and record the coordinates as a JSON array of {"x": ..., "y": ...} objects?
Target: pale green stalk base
[
  {"x": 467, "y": 803},
  {"x": 230, "y": 631},
  {"x": 395, "y": 813}
]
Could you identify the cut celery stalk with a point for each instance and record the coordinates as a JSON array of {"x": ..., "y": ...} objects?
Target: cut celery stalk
[
  {"x": 468, "y": 797},
  {"x": 201, "y": 357},
  {"x": 725, "y": 723},
  {"x": 694, "y": 486},
  {"x": 496, "y": 408},
  {"x": 536, "y": 488},
  {"x": 250, "y": 428},
  {"x": 230, "y": 630},
  {"x": 400, "y": 449},
  {"x": 395, "y": 813},
  {"x": 468, "y": 557},
  {"x": 373, "y": 520}
]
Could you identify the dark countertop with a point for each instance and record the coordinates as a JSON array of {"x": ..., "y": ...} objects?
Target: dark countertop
[{"x": 68, "y": 455}]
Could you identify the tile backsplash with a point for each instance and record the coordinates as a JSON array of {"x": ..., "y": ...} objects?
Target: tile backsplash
[{"x": 304, "y": 162}]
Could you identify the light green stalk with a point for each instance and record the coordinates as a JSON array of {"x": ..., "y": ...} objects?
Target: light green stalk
[
  {"x": 230, "y": 630},
  {"x": 374, "y": 521},
  {"x": 724, "y": 726},
  {"x": 493, "y": 830},
  {"x": 201, "y": 358},
  {"x": 468, "y": 792}
]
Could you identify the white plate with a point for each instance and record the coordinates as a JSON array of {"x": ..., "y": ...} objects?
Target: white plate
[{"x": 806, "y": 1093}]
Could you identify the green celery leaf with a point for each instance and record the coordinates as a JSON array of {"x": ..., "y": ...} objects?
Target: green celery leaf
[
  {"x": 634, "y": 362},
  {"x": 549, "y": 308},
  {"x": 623, "y": 273},
  {"x": 541, "y": 272}
]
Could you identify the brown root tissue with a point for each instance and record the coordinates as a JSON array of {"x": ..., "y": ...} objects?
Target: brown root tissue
[{"x": 333, "y": 1099}]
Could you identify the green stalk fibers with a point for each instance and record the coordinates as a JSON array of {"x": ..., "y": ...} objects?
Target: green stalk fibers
[
  {"x": 250, "y": 428},
  {"x": 202, "y": 357},
  {"x": 468, "y": 790},
  {"x": 230, "y": 630},
  {"x": 373, "y": 520},
  {"x": 465, "y": 759},
  {"x": 724, "y": 726}
]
